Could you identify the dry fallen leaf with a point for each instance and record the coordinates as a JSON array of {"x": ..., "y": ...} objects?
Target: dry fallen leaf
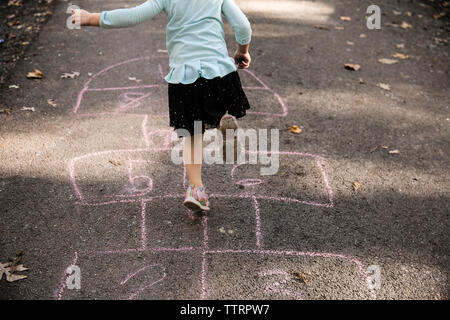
[
  {"x": 384, "y": 86},
  {"x": 382, "y": 147},
  {"x": 400, "y": 46},
  {"x": 15, "y": 261},
  {"x": 300, "y": 277},
  {"x": 405, "y": 25},
  {"x": 134, "y": 79},
  {"x": 36, "y": 74},
  {"x": 362, "y": 35},
  {"x": 346, "y": 19},
  {"x": 439, "y": 15},
  {"x": 28, "y": 109},
  {"x": 354, "y": 67},
  {"x": 117, "y": 162},
  {"x": 397, "y": 13},
  {"x": 350, "y": 43},
  {"x": 356, "y": 185},
  {"x": 295, "y": 129},
  {"x": 14, "y": 277},
  {"x": 387, "y": 61},
  {"x": 14, "y": 3},
  {"x": 400, "y": 56},
  {"x": 6, "y": 110},
  {"x": 361, "y": 81},
  {"x": 393, "y": 151},
  {"x": 4, "y": 269},
  {"x": 52, "y": 103}
]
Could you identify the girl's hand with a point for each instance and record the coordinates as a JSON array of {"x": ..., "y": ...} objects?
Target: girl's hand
[
  {"x": 81, "y": 16},
  {"x": 242, "y": 59}
]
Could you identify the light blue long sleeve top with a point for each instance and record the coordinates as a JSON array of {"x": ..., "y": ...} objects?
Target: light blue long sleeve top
[{"x": 195, "y": 35}]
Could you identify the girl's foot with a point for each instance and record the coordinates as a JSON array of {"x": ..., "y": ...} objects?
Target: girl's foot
[
  {"x": 196, "y": 199},
  {"x": 226, "y": 123}
]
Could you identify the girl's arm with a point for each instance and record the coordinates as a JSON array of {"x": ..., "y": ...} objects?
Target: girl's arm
[
  {"x": 120, "y": 18},
  {"x": 242, "y": 30}
]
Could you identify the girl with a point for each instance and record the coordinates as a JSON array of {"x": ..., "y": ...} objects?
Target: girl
[{"x": 203, "y": 82}]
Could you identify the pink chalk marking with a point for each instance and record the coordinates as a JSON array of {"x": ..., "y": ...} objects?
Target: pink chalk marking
[
  {"x": 184, "y": 175},
  {"x": 93, "y": 115},
  {"x": 251, "y": 196},
  {"x": 71, "y": 164},
  {"x": 131, "y": 275},
  {"x": 205, "y": 232},
  {"x": 132, "y": 296},
  {"x": 258, "y": 222},
  {"x": 358, "y": 263},
  {"x": 144, "y": 132},
  {"x": 249, "y": 182},
  {"x": 86, "y": 87},
  {"x": 257, "y": 79},
  {"x": 133, "y": 250},
  {"x": 204, "y": 265},
  {"x": 130, "y": 102},
  {"x": 143, "y": 225},
  {"x": 253, "y": 88},
  {"x": 204, "y": 293},
  {"x": 283, "y": 199},
  {"x": 166, "y": 134},
  {"x": 280, "y": 100},
  {"x": 132, "y": 179},
  {"x": 142, "y": 288}
]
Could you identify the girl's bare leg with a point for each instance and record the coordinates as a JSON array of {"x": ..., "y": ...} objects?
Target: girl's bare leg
[{"x": 193, "y": 158}]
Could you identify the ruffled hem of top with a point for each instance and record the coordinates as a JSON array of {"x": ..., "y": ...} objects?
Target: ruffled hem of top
[{"x": 206, "y": 68}]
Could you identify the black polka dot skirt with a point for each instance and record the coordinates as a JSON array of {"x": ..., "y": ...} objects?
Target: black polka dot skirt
[{"x": 206, "y": 100}]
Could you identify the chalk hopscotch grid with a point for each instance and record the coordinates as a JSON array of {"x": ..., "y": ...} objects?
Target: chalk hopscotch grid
[{"x": 204, "y": 249}]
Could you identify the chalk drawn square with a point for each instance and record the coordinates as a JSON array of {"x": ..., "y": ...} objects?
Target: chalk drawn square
[
  {"x": 300, "y": 178},
  {"x": 166, "y": 226},
  {"x": 284, "y": 275},
  {"x": 113, "y": 226},
  {"x": 124, "y": 175},
  {"x": 231, "y": 223},
  {"x": 263, "y": 103},
  {"x": 136, "y": 275}
]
